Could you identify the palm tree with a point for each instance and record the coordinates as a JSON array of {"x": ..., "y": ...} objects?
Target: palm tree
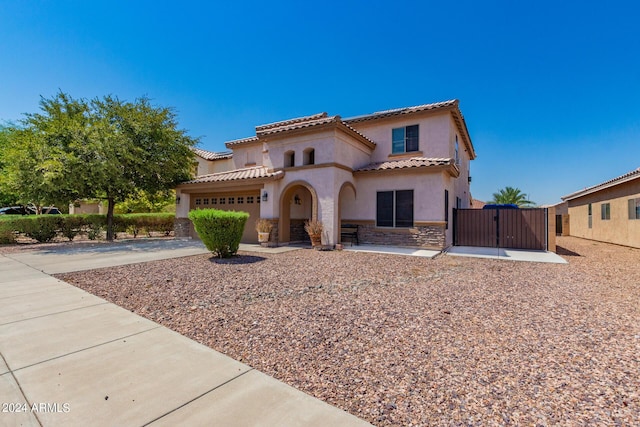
[{"x": 510, "y": 195}]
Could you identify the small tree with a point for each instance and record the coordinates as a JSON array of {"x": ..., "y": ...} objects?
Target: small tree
[{"x": 512, "y": 196}]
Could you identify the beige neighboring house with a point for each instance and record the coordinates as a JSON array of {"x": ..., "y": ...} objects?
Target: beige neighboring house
[
  {"x": 396, "y": 174},
  {"x": 87, "y": 207},
  {"x": 608, "y": 212}
]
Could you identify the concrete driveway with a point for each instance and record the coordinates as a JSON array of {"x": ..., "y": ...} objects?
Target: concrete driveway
[{"x": 69, "y": 358}]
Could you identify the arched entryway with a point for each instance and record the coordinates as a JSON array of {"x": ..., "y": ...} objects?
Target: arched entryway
[
  {"x": 298, "y": 203},
  {"x": 346, "y": 205}
]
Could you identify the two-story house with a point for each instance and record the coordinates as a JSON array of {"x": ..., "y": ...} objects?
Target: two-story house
[{"x": 397, "y": 174}]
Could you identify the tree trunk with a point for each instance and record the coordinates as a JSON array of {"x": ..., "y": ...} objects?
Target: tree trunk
[{"x": 110, "y": 232}]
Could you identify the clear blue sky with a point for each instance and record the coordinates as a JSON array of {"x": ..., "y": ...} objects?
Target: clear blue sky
[{"x": 550, "y": 89}]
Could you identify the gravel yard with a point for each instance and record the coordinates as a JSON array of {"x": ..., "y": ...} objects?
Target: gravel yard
[{"x": 400, "y": 340}]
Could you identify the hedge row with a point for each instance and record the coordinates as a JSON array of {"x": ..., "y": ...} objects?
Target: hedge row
[{"x": 45, "y": 228}]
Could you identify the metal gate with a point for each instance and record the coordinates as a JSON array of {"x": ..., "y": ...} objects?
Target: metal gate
[{"x": 501, "y": 228}]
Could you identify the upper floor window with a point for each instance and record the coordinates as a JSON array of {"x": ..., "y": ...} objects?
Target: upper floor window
[
  {"x": 309, "y": 157},
  {"x": 457, "y": 151},
  {"x": 605, "y": 211},
  {"x": 404, "y": 139},
  {"x": 289, "y": 159}
]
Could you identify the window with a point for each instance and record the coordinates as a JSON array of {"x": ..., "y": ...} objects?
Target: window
[
  {"x": 205, "y": 201},
  {"x": 240, "y": 200},
  {"x": 458, "y": 203},
  {"x": 222, "y": 200},
  {"x": 289, "y": 159},
  {"x": 394, "y": 208},
  {"x": 446, "y": 209},
  {"x": 590, "y": 216},
  {"x": 249, "y": 199},
  {"x": 214, "y": 200},
  {"x": 634, "y": 208},
  {"x": 309, "y": 157},
  {"x": 605, "y": 211},
  {"x": 198, "y": 202},
  {"x": 231, "y": 200},
  {"x": 404, "y": 139},
  {"x": 457, "y": 151}
]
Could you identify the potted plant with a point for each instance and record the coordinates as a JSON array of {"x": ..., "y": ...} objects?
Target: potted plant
[
  {"x": 314, "y": 229},
  {"x": 263, "y": 227}
]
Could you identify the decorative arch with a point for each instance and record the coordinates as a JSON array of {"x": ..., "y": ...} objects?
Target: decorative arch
[
  {"x": 341, "y": 200},
  {"x": 285, "y": 211}
]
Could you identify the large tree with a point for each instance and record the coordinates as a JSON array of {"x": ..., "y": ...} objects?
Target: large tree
[
  {"x": 7, "y": 197},
  {"x": 104, "y": 148},
  {"x": 510, "y": 195}
]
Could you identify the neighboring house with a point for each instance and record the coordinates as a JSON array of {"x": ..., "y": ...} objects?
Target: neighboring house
[
  {"x": 397, "y": 174},
  {"x": 87, "y": 207},
  {"x": 608, "y": 212},
  {"x": 477, "y": 204}
]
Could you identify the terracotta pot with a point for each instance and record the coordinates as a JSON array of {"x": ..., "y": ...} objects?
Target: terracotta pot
[
  {"x": 263, "y": 237},
  {"x": 316, "y": 239}
]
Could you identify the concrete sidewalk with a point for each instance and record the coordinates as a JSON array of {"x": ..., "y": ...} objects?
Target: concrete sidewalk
[
  {"x": 506, "y": 254},
  {"x": 70, "y": 358}
]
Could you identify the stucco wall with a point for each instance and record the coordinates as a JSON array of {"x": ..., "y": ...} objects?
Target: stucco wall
[
  {"x": 433, "y": 135},
  {"x": 428, "y": 194},
  {"x": 619, "y": 229},
  {"x": 206, "y": 167},
  {"x": 247, "y": 156}
]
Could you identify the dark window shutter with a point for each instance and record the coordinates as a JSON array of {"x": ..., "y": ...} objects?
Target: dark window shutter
[
  {"x": 404, "y": 208},
  {"x": 384, "y": 209},
  {"x": 446, "y": 209}
]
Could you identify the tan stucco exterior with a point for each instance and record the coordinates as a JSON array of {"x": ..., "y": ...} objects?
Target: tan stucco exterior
[
  {"x": 619, "y": 228},
  {"x": 352, "y": 160}
]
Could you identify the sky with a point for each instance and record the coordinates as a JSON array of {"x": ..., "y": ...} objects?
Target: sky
[{"x": 550, "y": 90}]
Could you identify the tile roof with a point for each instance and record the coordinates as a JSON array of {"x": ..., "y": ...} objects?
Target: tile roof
[
  {"x": 414, "y": 162},
  {"x": 404, "y": 110},
  {"x": 211, "y": 155},
  {"x": 241, "y": 141},
  {"x": 634, "y": 174},
  {"x": 257, "y": 172},
  {"x": 297, "y": 124},
  {"x": 290, "y": 122}
]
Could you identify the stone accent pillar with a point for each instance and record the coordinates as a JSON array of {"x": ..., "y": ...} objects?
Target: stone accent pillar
[{"x": 181, "y": 228}]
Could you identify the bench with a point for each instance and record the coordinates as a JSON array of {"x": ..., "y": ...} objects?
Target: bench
[{"x": 349, "y": 231}]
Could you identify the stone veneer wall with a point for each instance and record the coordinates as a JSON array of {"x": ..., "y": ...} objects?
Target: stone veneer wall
[
  {"x": 296, "y": 231},
  {"x": 273, "y": 237},
  {"x": 425, "y": 236},
  {"x": 182, "y": 228}
]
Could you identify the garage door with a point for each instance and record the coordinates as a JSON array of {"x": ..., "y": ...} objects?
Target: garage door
[{"x": 239, "y": 201}]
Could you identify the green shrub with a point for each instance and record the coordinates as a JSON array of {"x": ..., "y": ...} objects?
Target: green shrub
[
  {"x": 7, "y": 235},
  {"x": 71, "y": 226},
  {"x": 42, "y": 228},
  {"x": 94, "y": 225},
  {"x": 220, "y": 231}
]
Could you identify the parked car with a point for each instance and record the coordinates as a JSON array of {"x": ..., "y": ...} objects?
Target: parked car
[
  {"x": 28, "y": 210},
  {"x": 500, "y": 206},
  {"x": 14, "y": 210},
  {"x": 45, "y": 210}
]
